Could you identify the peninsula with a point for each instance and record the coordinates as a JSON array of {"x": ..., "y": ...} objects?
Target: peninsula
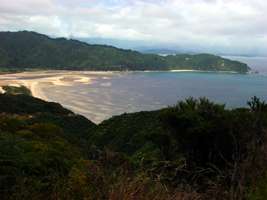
[{"x": 30, "y": 50}]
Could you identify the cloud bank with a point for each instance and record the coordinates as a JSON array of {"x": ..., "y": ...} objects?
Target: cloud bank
[{"x": 234, "y": 26}]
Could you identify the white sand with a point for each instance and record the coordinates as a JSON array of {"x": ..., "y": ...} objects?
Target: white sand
[
  {"x": 35, "y": 88},
  {"x": 2, "y": 91},
  {"x": 36, "y": 80},
  {"x": 185, "y": 70},
  {"x": 85, "y": 80}
]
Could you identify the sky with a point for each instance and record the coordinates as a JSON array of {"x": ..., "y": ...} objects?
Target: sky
[{"x": 222, "y": 26}]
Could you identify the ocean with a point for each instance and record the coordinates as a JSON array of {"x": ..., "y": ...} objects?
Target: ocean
[
  {"x": 137, "y": 91},
  {"x": 102, "y": 95}
]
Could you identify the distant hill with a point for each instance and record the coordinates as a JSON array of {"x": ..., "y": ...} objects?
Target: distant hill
[{"x": 20, "y": 50}]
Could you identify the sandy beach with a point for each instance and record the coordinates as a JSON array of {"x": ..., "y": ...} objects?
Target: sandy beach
[
  {"x": 36, "y": 80},
  {"x": 101, "y": 95}
]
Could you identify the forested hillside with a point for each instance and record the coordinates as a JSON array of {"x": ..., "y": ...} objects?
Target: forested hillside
[
  {"x": 194, "y": 150},
  {"x": 30, "y": 50}
]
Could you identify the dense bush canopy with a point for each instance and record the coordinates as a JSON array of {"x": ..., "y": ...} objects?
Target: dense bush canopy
[{"x": 194, "y": 150}]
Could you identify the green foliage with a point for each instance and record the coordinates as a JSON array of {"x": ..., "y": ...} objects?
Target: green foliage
[
  {"x": 195, "y": 142},
  {"x": 194, "y": 150},
  {"x": 28, "y": 50},
  {"x": 205, "y": 62},
  {"x": 259, "y": 192},
  {"x": 17, "y": 90},
  {"x": 40, "y": 143}
]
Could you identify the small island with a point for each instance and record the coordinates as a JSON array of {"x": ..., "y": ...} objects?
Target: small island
[{"x": 26, "y": 50}]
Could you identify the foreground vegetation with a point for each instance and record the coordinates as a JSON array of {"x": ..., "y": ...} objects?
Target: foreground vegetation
[
  {"x": 15, "y": 90},
  {"x": 193, "y": 150},
  {"x": 30, "y": 50}
]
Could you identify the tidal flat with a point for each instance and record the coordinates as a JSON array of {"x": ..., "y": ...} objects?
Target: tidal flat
[{"x": 101, "y": 95}]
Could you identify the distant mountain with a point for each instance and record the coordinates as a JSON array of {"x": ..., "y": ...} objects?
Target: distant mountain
[{"x": 20, "y": 50}]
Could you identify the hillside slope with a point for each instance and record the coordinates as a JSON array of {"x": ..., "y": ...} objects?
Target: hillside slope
[
  {"x": 196, "y": 150},
  {"x": 20, "y": 50}
]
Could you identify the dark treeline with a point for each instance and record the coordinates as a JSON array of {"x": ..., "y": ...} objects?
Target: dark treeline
[{"x": 196, "y": 149}]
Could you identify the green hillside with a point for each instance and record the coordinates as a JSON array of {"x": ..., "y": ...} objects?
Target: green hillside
[
  {"x": 196, "y": 150},
  {"x": 30, "y": 50}
]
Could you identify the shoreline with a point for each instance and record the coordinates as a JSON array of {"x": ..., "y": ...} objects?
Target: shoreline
[
  {"x": 115, "y": 71},
  {"x": 33, "y": 86},
  {"x": 53, "y": 86},
  {"x": 36, "y": 80},
  {"x": 56, "y": 77}
]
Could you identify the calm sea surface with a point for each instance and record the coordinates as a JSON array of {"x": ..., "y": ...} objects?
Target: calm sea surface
[{"x": 136, "y": 91}]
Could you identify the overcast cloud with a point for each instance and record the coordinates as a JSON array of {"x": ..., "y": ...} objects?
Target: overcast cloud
[{"x": 236, "y": 26}]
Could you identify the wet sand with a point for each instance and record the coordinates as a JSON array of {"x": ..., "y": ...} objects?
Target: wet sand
[
  {"x": 101, "y": 95},
  {"x": 38, "y": 81}
]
